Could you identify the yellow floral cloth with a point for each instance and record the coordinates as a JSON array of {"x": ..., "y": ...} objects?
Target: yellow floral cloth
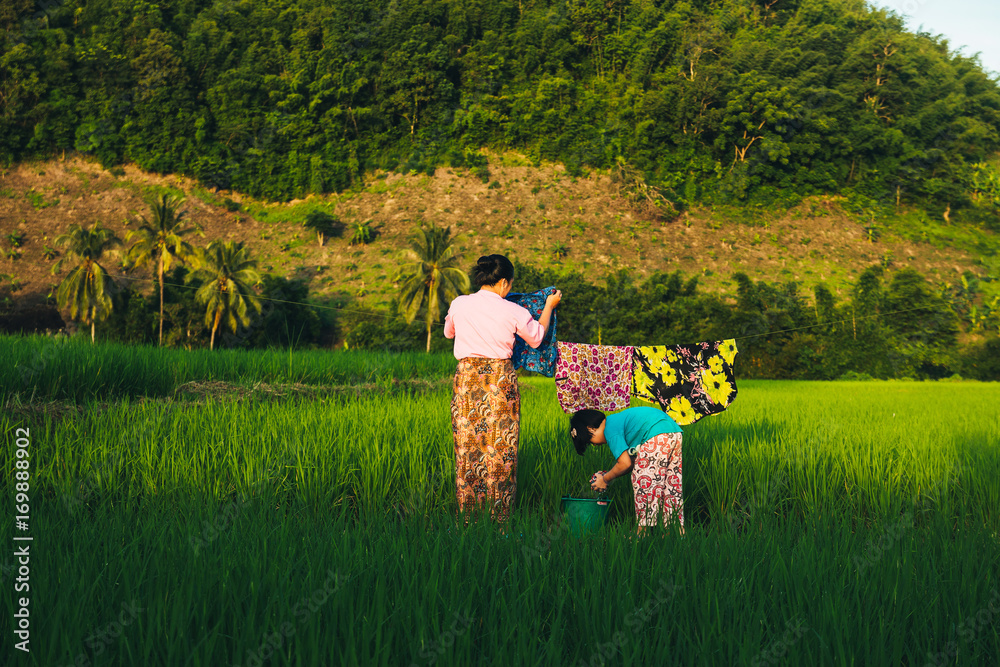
[{"x": 688, "y": 382}]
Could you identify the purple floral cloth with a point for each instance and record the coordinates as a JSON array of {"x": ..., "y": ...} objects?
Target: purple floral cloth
[{"x": 595, "y": 377}]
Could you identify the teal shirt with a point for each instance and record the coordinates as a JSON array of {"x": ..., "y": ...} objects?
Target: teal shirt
[{"x": 628, "y": 429}]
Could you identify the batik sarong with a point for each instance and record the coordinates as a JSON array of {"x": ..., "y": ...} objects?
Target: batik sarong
[
  {"x": 594, "y": 377},
  {"x": 485, "y": 421},
  {"x": 656, "y": 480},
  {"x": 688, "y": 382},
  {"x": 543, "y": 358}
]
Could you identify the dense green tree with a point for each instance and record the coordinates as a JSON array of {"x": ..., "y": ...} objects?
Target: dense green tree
[
  {"x": 286, "y": 318},
  {"x": 730, "y": 100},
  {"x": 159, "y": 241},
  {"x": 87, "y": 289},
  {"x": 923, "y": 326},
  {"x": 183, "y": 314},
  {"x": 324, "y": 225},
  {"x": 432, "y": 278},
  {"x": 228, "y": 274},
  {"x": 132, "y": 320}
]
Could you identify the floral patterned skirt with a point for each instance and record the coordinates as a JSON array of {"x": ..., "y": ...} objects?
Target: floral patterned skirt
[
  {"x": 656, "y": 480},
  {"x": 486, "y": 423}
]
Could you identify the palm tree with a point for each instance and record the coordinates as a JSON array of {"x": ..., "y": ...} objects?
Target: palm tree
[
  {"x": 433, "y": 278},
  {"x": 227, "y": 292},
  {"x": 86, "y": 289},
  {"x": 159, "y": 242}
]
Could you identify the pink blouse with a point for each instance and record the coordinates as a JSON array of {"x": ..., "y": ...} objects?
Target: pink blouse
[{"x": 483, "y": 324}]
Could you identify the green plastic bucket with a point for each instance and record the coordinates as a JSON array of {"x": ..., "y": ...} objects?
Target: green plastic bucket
[{"x": 585, "y": 516}]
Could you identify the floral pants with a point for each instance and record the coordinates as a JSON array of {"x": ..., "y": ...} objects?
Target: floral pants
[
  {"x": 486, "y": 423},
  {"x": 656, "y": 480}
]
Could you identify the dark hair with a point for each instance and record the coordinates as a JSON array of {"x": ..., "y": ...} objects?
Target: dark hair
[
  {"x": 491, "y": 269},
  {"x": 581, "y": 422}
]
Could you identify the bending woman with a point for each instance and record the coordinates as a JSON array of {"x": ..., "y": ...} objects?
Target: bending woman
[
  {"x": 645, "y": 442},
  {"x": 486, "y": 404}
]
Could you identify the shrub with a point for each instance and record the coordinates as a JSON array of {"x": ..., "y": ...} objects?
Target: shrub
[
  {"x": 363, "y": 233},
  {"x": 982, "y": 361},
  {"x": 324, "y": 224}
]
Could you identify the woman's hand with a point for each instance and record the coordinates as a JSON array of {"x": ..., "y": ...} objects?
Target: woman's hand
[
  {"x": 622, "y": 466},
  {"x": 598, "y": 483},
  {"x": 551, "y": 301}
]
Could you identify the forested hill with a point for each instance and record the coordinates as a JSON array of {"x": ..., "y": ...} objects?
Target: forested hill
[{"x": 727, "y": 101}]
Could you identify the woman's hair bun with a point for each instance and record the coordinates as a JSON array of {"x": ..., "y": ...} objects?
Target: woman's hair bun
[{"x": 490, "y": 269}]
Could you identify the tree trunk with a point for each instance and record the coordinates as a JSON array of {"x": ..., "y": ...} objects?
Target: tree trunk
[
  {"x": 160, "y": 271},
  {"x": 431, "y": 291},
  {"x": 215, "y": 325}
]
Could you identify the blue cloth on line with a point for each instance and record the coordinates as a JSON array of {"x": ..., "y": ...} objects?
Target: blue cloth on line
[{"x": 542, "y": 359}]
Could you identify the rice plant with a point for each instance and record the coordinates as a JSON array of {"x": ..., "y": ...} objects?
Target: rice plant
[{"x": 827, "y": 523}]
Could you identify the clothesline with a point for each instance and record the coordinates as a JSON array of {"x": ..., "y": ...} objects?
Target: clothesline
[
  {"x": 687, "y": 382},
  {"x": 387, "y": 316},
  {"x": 823, "y": 324},
  {"x": 436, "y": 323}
]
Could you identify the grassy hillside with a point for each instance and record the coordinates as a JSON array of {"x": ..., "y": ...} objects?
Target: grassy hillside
[{"x": 525, "y": 212}]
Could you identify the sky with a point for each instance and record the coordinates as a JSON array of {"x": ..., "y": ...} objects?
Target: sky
[{"x": 969, "y": 25}]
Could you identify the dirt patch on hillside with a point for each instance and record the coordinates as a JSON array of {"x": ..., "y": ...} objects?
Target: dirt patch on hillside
[
  {"x": 42, "y": 200},
  {"x": 537, "y": 215}
]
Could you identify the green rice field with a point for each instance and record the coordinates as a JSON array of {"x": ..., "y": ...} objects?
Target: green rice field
[{"x": 297, "y": 508}]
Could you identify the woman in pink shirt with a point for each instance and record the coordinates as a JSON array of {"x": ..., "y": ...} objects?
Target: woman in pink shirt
[{"x": 486, "y": 404}]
